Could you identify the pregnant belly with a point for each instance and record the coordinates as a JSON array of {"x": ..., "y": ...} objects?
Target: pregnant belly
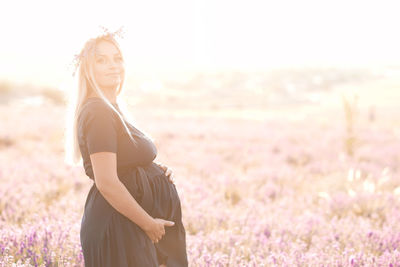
[{"x": 153, "y": 191}]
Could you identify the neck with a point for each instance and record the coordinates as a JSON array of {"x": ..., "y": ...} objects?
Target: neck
[{"x": 109, "y": 94}]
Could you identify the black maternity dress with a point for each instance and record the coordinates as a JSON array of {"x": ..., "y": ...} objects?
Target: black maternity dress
[{"x": 108, "y": 238}]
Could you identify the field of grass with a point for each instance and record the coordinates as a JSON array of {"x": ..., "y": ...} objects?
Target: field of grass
[{"x": 288, "y": 174}]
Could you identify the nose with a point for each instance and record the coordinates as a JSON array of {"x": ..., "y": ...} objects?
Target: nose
[{"x": 113, "y": 65}]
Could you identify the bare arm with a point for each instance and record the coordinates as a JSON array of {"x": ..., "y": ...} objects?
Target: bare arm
[{"x": 115, "y": 192}]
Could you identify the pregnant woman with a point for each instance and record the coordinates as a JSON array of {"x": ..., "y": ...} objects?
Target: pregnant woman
[{"x": 132, "y": 214}]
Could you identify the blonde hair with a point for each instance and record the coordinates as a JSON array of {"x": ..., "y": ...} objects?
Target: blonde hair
[{"x": 86, "y": 83}]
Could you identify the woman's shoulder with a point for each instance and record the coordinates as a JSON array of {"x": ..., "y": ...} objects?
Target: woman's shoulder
[
  {"x": 93, "y": 108},
  {"x": 93, "y": 104}
]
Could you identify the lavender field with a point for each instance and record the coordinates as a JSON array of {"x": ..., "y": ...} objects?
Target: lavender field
[{"x": 286, "y": 169}]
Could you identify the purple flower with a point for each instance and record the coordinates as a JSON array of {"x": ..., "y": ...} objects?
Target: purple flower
[{"x": 267, "y": 233}]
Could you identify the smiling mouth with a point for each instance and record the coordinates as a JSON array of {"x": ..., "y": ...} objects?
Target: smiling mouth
[{"x": 113, "y": 74}]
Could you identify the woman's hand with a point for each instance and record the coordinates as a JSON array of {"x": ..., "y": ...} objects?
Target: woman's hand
[
  {"x": 156, "y": 230},
  {"x": 168, "y": 172}
]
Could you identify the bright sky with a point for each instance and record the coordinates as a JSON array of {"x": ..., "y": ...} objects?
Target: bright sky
[{"x": 40, "y": 37}]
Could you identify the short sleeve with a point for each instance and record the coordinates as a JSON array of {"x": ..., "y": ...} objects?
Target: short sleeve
[{"x": 101, "y": 133}]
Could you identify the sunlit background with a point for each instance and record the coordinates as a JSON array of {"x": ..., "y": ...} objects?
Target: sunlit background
[
  {"x": 279, "y": 118},
  {"x": 39, "y": 38}
]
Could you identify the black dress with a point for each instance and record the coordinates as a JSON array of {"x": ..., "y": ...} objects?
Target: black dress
[{"x": 108, "y": 238}]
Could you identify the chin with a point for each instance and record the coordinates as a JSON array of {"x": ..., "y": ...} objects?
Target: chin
[{"x": 112, "y": 84}]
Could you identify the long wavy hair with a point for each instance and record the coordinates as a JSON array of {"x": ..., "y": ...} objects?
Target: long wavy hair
[{"x": 87, "y": 83}]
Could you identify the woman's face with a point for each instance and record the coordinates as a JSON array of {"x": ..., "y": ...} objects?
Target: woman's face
[{"x": 108, "y": 65}]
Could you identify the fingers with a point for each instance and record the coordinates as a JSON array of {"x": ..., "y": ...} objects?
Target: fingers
[
  {"x": 170, "y": 175},
  {"x": 156, "y": 240},
  {"x": 169, "y": 223},
  {"x": 162, "y": 166},
  {"x": 161, "y": 231},
  {"x": 168, "y": 172}
]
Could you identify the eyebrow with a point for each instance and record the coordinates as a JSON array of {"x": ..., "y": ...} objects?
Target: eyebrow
[{"x": 117, "y": 54}]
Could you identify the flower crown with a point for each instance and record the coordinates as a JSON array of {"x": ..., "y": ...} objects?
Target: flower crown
[{"x": 106, "y": 34}]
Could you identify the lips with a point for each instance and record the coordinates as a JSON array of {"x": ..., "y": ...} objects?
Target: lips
[{"x": 112, "y": 74}]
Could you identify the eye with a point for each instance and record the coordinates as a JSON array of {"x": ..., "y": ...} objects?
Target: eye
[{"x": 100, "y": 60}]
